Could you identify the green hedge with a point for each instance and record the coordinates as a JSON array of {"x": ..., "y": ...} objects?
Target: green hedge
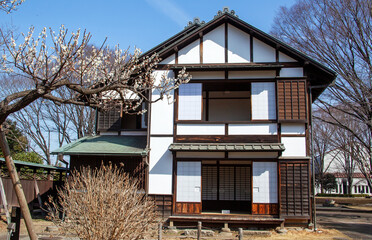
[{"x": 341, "y": 195}]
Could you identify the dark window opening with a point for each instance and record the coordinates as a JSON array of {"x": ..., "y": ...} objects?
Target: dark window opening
[{"x": 226, "y": 102}]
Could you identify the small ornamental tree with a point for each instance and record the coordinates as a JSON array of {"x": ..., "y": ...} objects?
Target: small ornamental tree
[
  {"x": 96, "y": 78},
  {"x": 103, "y": 203}
]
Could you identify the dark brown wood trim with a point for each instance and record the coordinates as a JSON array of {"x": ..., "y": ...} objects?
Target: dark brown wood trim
[
  {"x": 227, "y": 139},
  {"x": 227, "y": 122},
  {"x": 293, "y": 135},
  {"x": 250, "y": 46},
  {"x": 226, "y": 43},
  {"x": 176, "y": 57},
  {"x": 201, "y": 47},
  {"x": 174, "y": 182},
  {"x": 232, "y": 80}
]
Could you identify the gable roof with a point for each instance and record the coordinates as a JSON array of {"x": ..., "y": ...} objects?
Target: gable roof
[{"x": 318, "y": 74}]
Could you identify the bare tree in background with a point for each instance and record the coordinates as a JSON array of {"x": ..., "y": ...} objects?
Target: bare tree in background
[
  {"x": 103, "y": 203},
  {"x": 322, "y": 145},
  {"x": 337, "y": 33},
  {"x": 94, "y": 79}
]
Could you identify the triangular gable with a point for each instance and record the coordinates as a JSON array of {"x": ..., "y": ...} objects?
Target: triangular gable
[{"x": 198, "y": 31}]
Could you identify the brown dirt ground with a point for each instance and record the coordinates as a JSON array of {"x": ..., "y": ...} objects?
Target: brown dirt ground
[{"x": 40, "y": 226}]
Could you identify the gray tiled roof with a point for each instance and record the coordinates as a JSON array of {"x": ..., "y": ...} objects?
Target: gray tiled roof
[{"x": 237, "y": 147}]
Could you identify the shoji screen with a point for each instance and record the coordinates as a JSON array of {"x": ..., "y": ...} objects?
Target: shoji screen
[
  {"x": 265, "y": 182},
  {"x": 190, "y": 101},
  {"x": 188, "y": 181},
  {"x": 263, "y": 101}
]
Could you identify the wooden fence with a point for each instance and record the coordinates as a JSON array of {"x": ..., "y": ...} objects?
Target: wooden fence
[{"x": 46, "y": 188}]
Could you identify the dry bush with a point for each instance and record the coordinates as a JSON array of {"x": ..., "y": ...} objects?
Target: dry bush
[{"x": 103, "y": 203}]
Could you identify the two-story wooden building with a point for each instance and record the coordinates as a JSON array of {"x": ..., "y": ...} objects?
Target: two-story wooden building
[{"x": 233, "y": 146}]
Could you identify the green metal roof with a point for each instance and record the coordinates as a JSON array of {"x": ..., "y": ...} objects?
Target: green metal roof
[
  {"x": 230, "y": 147},
  {"x": 35, "y": 165},
  {"x": 106, "y": 145}
]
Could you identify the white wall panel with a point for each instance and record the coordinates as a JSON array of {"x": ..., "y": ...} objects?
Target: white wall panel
[
  {"x": 263, "y": 52},
  {"x": 169, "y": 60},
  {"x": 263, "y": 101},
  {"x": 190, "y": 53},
  {"x": 188, "y": 182},
  {"x": 200, "y": 155},
  {"x": 207, "y": 75},
  {"x": 238, "y": 45},
  {"x": 108, "y": 133},
  {"x": 293, "y": 128},
  {"x": 160, "y": 166},
  {"x": 190, "y": 101},
  {"x": 294, "y": 146},
  {"x": 291, "y": 72},
  {"x": 214, "y": 46},
  {"x": 251, "y": 74},
  {"x": 200, "y": 129},
  {"x": 253, "y": 155},
  {"x": 285, "y": 58},
  {"x": 265, "y": 182},
  {"x": 161, "y": 111},
  {"x": 253, "y": 129}
]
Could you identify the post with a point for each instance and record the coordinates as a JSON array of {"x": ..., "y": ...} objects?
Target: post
[
  {"x": 240, "y": 233},
  {"x": 17, "y": 185},
  {"x": 199, "y": 230},
  {"x": 16, "y": 218},
  {"x": 3, "y": 199},
  {"x": 160, "y": 231},
  {"x": 312, "y": 160}
]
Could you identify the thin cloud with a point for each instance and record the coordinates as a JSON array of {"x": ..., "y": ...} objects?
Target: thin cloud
[{"x": 171, "y": 10}]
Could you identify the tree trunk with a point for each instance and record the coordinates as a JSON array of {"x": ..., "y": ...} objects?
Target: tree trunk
[
  {"x": 17, "y": 185},
  {"x": 350, "y": 185}
]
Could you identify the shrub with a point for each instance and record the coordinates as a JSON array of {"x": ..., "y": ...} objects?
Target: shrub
[{"x": 103, "y": 203}]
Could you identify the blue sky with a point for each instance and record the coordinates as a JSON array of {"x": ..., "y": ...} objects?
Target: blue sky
[{"x": 141, "y": 23}]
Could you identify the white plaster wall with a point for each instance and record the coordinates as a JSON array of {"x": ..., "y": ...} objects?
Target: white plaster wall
[
  {"x": 291, "y": 72},
  {"x": 160, "y": 166},
  {"x": 285, "y": 58},
  {"x": 253, "y": 129},
  {"x": 251, "y": 74},
  {"x": 162, "y": 111},
  {"x": 207, "y": 75},
  {"x": 169, "y": 60},
  {"x": 293, "y": 128},
  {"x": 294, "y": 146},
  {"x": 133, "y": 133},
  {"x": 262, "y": 52},
  {"x": 253, "y": 155},
  {"x": 214, "y": 46},
  {"x": 263, "y": 101},
  {"x": 265, "y": 182},
  {"x": 108, "y": 133},
  {"x": 238, "y": 45},
  {"x": 190, "y": 53},
  {"x": 200, "y": 129},
  {"x": 200, "y": 155},
  {"x": 188, "y": 182}
]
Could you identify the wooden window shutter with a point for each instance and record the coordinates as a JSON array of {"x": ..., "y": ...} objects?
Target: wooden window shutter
[
  {"x": 294, "y": 189},
  {"x": 110, "y": 119},
  {"x": 292, "y": 100}
]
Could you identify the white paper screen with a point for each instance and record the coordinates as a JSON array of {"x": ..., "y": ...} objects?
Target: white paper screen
[
  {"x": 190, "y": 101},
  {"x": 188, "y": 182},
  {"x": 265, "y": 182},
  {"x": 263, "y": 101}
]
